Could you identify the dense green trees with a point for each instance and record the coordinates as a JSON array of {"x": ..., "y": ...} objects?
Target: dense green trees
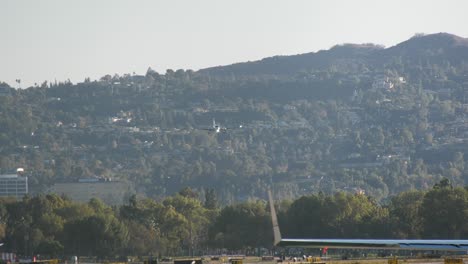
[
  {"x": 245, "y": 225},
  {"x": 404, "y": 214},
  {"x": 443, "y": 211},
  {"x": 180, "y": 225},
  {"x": 340, "y": 215}
]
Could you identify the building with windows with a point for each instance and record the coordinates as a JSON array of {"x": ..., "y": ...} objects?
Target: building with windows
[{"x": 13, "y": 185}]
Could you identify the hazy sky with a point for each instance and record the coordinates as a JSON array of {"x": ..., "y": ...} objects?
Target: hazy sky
[{"x": 60, "y": 39}]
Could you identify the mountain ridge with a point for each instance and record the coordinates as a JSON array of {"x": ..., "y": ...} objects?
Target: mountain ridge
[{"x": 432, "y": 45}]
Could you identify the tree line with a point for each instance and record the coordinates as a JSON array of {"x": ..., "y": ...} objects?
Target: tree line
[{"x": 185, "y": 224}]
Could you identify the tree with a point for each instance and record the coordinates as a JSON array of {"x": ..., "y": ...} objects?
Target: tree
[
  {"x": 340, "y": 215},
  {"x": 196, "y": 219},
  {"x": 50, "y": 248},
  {"x": 189, "y": 193},
  {"x": 211, "y": 201},
  {"x": 241, "y": 226},
  {"x": 100, "y": 235},
  {"x": 443, "y": 212},
  {"x": 405, "y": 213},
  {"x": 142, "y": 239},
  {"x": 18, "y": 226}
]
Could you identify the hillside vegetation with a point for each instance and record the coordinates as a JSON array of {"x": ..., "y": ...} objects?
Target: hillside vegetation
[{"x": 354, "y": 118}]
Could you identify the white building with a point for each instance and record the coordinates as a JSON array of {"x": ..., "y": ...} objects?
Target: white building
[
  {"x": 13, "y": 185},
  {"x": 382, "y": 84}
]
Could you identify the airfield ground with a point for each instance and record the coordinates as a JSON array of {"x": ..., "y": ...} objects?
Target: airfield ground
[{"x": 257, "y": 260}]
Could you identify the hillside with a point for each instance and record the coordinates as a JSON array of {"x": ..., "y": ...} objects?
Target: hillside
[
  {"x": 354, "y": 118},
  {"x": 287, "y": 65},
  {"x": 441, "y": 45}
]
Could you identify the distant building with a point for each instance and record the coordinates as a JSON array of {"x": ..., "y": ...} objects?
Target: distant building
[
  {"x": 361, "y": 165},
  {"x": 359, "y": 191},
  {"x": 289, "y": 107},
  {"x": 382, "y": 83},
  {"x": 13, "y": 185}
]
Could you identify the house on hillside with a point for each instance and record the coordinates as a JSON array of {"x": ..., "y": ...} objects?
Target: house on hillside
[{"x": 383, "y": 83}]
